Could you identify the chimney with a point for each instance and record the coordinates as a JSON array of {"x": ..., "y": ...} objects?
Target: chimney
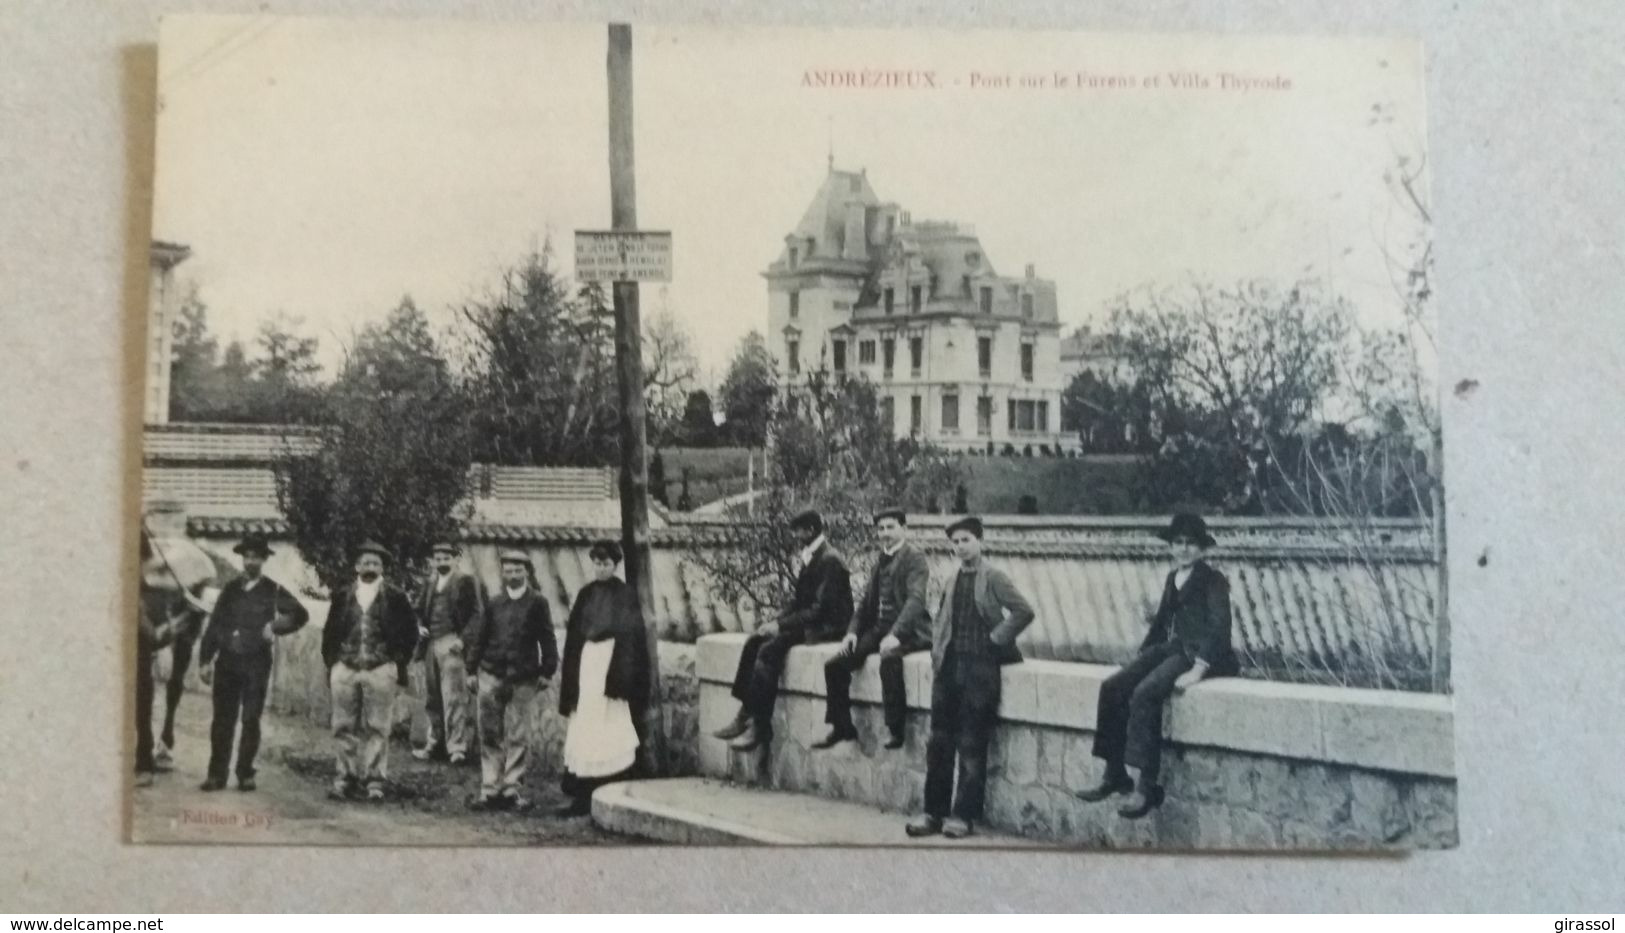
[
  {"x": 857, "y": 234},
  {"x": 1031, "y": 270}
]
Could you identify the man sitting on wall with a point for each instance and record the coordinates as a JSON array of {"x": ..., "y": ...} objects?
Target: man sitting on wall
[
  {"x": 891, "y": 619},
  {"x": 975, "y": 632},
  {"x": 1189, "y": 640},
  {"x": 819, "y": 610}
]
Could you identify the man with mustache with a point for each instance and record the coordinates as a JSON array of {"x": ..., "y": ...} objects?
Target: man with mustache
[{"x": 369, "y": 639}]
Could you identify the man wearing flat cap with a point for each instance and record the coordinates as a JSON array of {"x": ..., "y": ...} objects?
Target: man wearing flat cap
[
  {"x": 446, "y": 608},
  {"x": 974, "y": 633},
  {"x": 511, "y": 651},
  {"x": 234, "y": 659},
  {"x": 1188, "y": 641},
  {"x": 819, "y": 609},
  {"x": 892, "y": 620},
  {"x": 368, "y": 641}
]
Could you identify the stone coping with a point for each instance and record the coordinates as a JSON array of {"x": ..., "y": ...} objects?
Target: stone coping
[
  {"x": 1378, "y": 730},
  {"x": 706, "y": 811}
]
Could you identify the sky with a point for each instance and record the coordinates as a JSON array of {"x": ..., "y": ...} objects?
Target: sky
[{"x": 325, "y": 168}]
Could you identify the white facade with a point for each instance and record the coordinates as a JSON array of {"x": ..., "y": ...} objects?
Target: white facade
[
  {"x": 974, "y": 357},
  {"x": 163, "y": 303}
]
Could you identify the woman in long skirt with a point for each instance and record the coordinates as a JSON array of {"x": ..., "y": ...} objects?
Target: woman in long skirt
[{"x": 604, "y": 685}]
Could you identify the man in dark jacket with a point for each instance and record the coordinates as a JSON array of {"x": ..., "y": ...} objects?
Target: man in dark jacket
[
  {"x": 1189, "y": 640},
  {"x": 975, "y": 632},
  {"x": 235, "y": 659},
  {"x": 446, "y": 608},
  {"x": 891, "y": 619},
  {"x": 512, "y": 651},
  {"x": 819, "y": 611},
  {"x": 370, "y": 635}
]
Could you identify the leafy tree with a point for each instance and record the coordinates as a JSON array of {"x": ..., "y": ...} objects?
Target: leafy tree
[
  {"x": 540, "y": 370},
  {"x": 748, "y": 391},
  {"x": 285, "y": 371},
  {"x": 394, "y": 453},
  {"x": 699, "y": 426}
]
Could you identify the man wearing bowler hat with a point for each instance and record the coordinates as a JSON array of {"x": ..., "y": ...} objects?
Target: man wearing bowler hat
[
  {"x": 511, "y": 652},
  {"x": 370, "y": 635},
  {"x": 446, "y": 608},
  {"x": 1189, "y": 640},
  {"x": 973, "y": 635},
  {"x": 820, "y": 608},
  {"x": 234, "y": 658}
]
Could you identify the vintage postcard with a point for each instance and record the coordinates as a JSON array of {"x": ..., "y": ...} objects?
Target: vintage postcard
[{"x": 606, "y": 434}]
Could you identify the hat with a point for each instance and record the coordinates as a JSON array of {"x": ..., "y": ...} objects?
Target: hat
[
  {"x": 514, "y": 555},
  {"x": 371, "y": 546},
  {"x": 893, "y": 512},
  {"x": 254, "y": 543},
  {"x": 810, "y": 520},
  {"x": 446, "y": 546},
  {"x": 1187, "y": 525},
  {"x": 969, "y": 523}
]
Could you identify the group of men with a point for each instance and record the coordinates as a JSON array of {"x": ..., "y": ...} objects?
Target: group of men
[
  {"x": 971, "y": 636},
  {"x": 499, "y": 652},
  {"x": 493, "y": 655}
]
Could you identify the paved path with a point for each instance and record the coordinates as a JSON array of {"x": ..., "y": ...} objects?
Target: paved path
[
  {"x": 706, "y": 811},
  {"x": 291, "y": 806}
]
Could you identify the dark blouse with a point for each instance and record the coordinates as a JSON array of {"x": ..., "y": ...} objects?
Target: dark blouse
[{"x": 609, "y": 605}]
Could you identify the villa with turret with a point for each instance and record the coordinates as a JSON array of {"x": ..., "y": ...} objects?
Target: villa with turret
[{"x": 962, "y": 356}]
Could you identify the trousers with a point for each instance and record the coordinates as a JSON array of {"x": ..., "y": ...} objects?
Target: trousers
[
  {"x": 143, "y": 711},
  {"x": 240, "y": 684},
  {"x": 181, "y": 651},
  {"x": 446, "y": 685},
  {"x": 838, "y": 673},
  {"x": 363, "y": 712},
  {"x": 756, "y": 681},
  {"x": 1128, "y": 718},
  {"x": 506, "y": 712},
  {"x": 965, "y": 697}
]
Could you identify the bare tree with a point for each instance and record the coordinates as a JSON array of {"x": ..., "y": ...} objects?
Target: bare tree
[{"x": 670, "y": 373}]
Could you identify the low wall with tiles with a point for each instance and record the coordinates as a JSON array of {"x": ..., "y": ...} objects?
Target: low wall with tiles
[{"x": 1248, "y": 765}]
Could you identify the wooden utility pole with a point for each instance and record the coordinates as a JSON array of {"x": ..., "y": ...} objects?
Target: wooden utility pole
[{"x": 629, "y": 380}]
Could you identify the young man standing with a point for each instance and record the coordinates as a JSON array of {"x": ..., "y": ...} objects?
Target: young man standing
[
  {"x": 975, "y": 632},
  {"x": 370, "y": 635},
  {"x": 446, "y": 608},
  {"x": 819, "y": 611},
  {"x": 235, "y": 659},
  {"x": 891, "y": 619},
  {"x": 512, "y": 651},
  {"x": 1189, "y": 640}
]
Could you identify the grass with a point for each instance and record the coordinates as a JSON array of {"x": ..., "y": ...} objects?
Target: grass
[
  {"x": 713, "y": 472},
  {"x": 994, "y": 485},
  {"x": 1061, "y": 486}
]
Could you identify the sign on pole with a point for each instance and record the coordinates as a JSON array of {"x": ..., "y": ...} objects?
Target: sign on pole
[{"x": 623, "y": 256}]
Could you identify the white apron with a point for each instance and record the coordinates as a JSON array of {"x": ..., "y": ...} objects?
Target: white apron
[{"x": 601, "y": 739}]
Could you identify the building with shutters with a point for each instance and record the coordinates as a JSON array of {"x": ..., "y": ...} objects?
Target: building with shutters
[{"x": 962, "y": 356}]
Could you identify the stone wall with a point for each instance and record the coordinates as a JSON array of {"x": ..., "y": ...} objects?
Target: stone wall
[
  {"x": 1249, "y": 765},
  {"x": 1312, "y": 600}
]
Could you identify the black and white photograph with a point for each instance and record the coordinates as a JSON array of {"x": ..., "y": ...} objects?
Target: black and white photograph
[{"x": 594, "y": 434}]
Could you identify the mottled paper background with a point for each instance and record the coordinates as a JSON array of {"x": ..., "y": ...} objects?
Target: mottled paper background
[{"x": 1526, "y": 124}]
